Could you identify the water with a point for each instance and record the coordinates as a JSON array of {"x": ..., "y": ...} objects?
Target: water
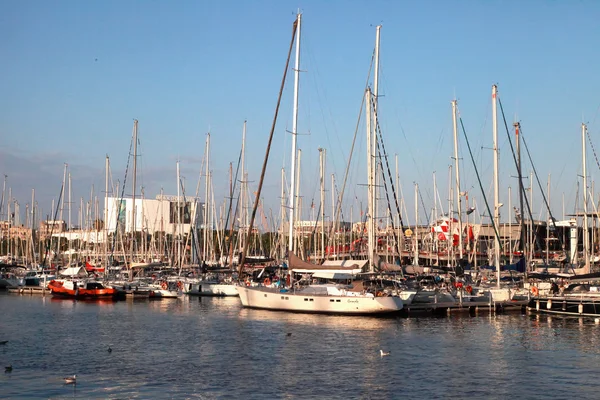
[{"x": 212, "y": 348}]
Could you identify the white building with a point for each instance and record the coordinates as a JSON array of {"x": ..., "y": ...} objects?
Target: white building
[{"x": 154, "y": 215}]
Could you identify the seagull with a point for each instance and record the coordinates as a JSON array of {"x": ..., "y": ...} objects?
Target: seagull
[
  {"x": 383, "y": 353},
  {"x": 3, "y": 342},
  {"x": 70, "y": 379},
  {"x": 289, "y": 334},
  {"x": 8, "y": 369},
  {"x": 109, "y": 349}
]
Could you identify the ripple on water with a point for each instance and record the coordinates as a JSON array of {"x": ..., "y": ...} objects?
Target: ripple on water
[{"x": 213, "y": 348}]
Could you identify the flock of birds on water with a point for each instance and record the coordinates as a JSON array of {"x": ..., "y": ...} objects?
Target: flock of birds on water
[{"x": 72, "y": 380}]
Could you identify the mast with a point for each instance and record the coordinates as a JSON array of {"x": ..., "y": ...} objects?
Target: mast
[
  {"x": 178, "y": 230},
  {"x": 282, "y": 229},
  {"x": 547, "y": 224},
  {"x": 133, "y": 216},
  {"x": 69, "y": 227},
  {"x": 370, "y": 183},
  {"x": 205, "y": 213},
  {"x": 33, "y": 226},
  {"x": 517, "y": 126},
  {"x": 322, "y": 205},
  {"x": 416, "y": 249},
  {"x": 510, "y": 249},
  {"x": 496, "y": 184},
  {"x": 292, "y": 199},
  {"x": 586, "y": 250},
  {"x": 458, "y": 194},
  {"x": 244, "y": 234},
  {"x": 298, "y": 206},
  {"x": 376, "y": 160}
]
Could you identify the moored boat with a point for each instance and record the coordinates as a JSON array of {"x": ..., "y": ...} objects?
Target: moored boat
[{"x": 82, "y": 289}]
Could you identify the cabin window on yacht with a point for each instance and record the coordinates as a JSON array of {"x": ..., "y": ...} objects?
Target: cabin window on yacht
[
  {"x": 305, "y": 299},
  {"x": 332, "y": 300},
  {"x": 265, "y": 295},
  {"x": 287, "y": 298},
  {"x": 338, "y": 300},
  {"x": 312, "y": 299}
]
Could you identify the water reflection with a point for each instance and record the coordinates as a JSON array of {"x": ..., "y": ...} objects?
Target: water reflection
[{"x": 212, "y": 347}]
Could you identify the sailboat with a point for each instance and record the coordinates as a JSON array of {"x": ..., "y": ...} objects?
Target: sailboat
[
  {"x": 341, "y": 294},
  {"x": 577, "y": 295}
]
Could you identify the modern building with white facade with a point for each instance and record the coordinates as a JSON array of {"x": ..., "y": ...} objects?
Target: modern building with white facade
[{"x": 154, "y": 215}]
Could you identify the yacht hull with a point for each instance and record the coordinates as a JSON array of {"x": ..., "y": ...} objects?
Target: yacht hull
[{"x": 271, "y": 299}]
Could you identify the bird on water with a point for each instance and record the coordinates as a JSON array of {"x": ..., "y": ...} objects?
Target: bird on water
[
  {"x": 383, "y": 353},
  {"x": 70, "y": 379}
]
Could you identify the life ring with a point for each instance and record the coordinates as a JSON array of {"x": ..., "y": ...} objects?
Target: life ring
[
  {"x": 164, "y": 285},
  {"x": 535, "y": 291},
  {"x": 469, "y": 289},
  {"x": 247, "y": 282},
  {"x": 458, "y": 285},
  {"x": 379, "y": 293},
  {"x": 179, "y": 284},
  {"x": 267, "y": 282}
]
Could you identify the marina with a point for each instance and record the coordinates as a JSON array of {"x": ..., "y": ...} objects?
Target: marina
[
  {"x": 252, "y": 201},
  {"x": 211, "y": 347}
]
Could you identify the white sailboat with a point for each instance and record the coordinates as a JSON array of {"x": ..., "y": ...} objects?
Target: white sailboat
[{"x": 331, "y": 298}]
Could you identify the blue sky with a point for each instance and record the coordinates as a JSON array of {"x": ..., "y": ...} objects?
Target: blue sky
[{"x": 75, "y": 74}]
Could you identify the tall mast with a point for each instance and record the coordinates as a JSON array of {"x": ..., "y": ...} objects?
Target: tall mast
[
  {"x": 206, "y": 187},
  {"x": 416, "y": 249},
  {"x": 522, "y": 240},
  {"x": 322, "y": 205},
  {"x": 178, "y": 230},
  {"x": 282, "y": 229},
  {"x": 586, "y": 250},
  {"x": 298, "y": 206},
  {"x": 510, "y": 248},
  {"x": 292, "y": 199},
  {"x": 106, "y": 167},
  {"x": 457, "y": 171},
  {"x": 69, "y": 223},
  {"x": 133, "y": 216},
  {"x": 244, "y": 234},
  {"x": 496, "y": 184},
  {"x": 33, "y": 226},
  {"x": 375, "y": 160},
  {"x": 370, "y": 183}
]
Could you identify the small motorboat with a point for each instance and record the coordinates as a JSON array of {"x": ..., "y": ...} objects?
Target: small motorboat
[{"x": 81, "y": 289}]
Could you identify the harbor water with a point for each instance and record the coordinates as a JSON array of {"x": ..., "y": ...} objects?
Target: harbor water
[{"x": 205, "y": 348}]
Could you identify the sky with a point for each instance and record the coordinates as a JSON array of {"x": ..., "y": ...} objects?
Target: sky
[{"x": 74, "y": 75}]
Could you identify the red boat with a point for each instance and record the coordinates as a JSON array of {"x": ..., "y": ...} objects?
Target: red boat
[{"x": 81, "y": 289}]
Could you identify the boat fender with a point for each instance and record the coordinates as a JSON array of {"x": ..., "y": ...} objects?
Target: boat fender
[
  {"x": 287, "y": 280},
  {"x": 580, "y": 308},
  {"x": 164, "y": 285}
]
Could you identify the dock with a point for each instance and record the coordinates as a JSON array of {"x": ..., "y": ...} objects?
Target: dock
[
  {"x": 31, "y": 290},
  {"x": 472, "y": 308}
]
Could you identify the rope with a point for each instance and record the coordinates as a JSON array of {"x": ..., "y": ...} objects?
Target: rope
[
  {"x": 112, "y": 248},
  {"x": 487, "y": 205},
  {"x": 543, "y": 195},
  {"x": 593, "y": 149}
]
